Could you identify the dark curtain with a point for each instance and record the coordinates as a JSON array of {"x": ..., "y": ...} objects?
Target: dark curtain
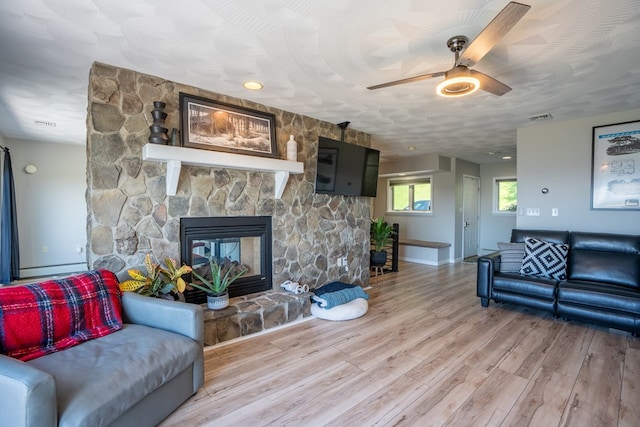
[{"x": 9, "y": 249}]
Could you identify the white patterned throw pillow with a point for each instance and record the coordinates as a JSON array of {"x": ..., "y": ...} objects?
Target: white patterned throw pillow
[{"x": 544, "y": 259}]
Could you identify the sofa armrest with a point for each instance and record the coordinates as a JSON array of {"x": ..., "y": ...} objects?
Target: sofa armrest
[
  {"x": 487, "y": 265},
  {"x": 28, "y": 395},
  {"x": 174, "y": 316}
]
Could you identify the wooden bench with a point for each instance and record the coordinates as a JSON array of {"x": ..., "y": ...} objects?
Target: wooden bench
[{"x": 424, "y": 251}]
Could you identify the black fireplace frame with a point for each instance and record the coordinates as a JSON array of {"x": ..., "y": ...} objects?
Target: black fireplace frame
[{"x": 199, "y": 228}]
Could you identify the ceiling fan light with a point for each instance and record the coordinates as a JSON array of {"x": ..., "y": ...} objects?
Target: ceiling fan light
[{"x": 458, "y": 86}]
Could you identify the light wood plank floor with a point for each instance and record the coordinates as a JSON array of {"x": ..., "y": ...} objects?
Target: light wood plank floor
[{"x": 426, "y": 354}]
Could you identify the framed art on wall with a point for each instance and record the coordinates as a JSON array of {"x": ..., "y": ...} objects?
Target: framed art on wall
[
  {"x": 213, "y": 125},
  {"x": 615, "y": 175}
]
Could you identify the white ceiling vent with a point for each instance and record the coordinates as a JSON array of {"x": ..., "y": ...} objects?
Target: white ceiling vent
[
  {"x": 45, "y": 123},
  {"x": 538, "y": 117}
]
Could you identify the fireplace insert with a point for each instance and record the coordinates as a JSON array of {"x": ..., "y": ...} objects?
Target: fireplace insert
[{"x": 243, "y": 241}]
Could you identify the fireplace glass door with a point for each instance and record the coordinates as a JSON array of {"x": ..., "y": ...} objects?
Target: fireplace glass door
[{"x": 235, "y": 253}]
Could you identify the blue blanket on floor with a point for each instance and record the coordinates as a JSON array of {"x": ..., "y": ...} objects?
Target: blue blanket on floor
[{"x": 337, "y": 293}]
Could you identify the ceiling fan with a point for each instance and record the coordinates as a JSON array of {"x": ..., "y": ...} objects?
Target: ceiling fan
[{"x": 461, "y": 80}]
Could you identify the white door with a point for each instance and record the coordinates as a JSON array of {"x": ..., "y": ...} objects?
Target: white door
[{"x": 470, "y": 215}]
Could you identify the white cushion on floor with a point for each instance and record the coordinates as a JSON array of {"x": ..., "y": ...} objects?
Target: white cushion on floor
[{"x": 350, "y": 310}]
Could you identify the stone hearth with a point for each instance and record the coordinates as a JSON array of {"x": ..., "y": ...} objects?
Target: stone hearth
[{"x": 254, "y": 313}]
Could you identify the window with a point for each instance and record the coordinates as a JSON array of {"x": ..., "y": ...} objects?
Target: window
[
  {"x": 410, "y": 194},
  {"x": 505, "y": 195}
]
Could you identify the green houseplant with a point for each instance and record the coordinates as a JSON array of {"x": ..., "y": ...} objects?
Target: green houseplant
[
  {"x": 157, "y": 281},
  {"x": 217, "y": 287},
  {"x": 381, "y": 235}
]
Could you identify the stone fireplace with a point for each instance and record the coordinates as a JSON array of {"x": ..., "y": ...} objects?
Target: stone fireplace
[
  {"x": 243, "y": 242},
  {"x": 130, "y": 213}
]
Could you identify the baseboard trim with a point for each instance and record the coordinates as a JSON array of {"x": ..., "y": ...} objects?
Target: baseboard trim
[
  {"x": 424, "y": 262},
  {"x": 52, "y": 270}
]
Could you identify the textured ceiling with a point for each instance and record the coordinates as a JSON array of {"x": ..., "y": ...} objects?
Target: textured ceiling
[{"x": 572, "y": 58}]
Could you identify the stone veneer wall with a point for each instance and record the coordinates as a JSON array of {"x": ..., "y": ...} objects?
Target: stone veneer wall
[{"x": 130, "y": 214}]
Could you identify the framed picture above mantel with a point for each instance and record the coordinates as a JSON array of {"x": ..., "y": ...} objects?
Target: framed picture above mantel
[
  {"x": 615, "y": 174},
  {"x": 213, "y": 125}
]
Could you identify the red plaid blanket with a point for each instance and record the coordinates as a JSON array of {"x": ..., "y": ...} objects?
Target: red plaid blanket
[{"x": 45, "y": 317}]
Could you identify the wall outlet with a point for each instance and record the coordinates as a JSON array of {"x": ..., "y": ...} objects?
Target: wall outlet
[
  {"x": 554, "y": 211},
  {"x": 79, "y": 248},
  {"x": 45, "y": 249}
]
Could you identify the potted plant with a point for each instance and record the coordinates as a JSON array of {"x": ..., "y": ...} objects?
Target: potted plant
[
  {"x": 158, "y": 281},
  {"x": 217, "y": 289},
  {"x": 381, "y": 235}
]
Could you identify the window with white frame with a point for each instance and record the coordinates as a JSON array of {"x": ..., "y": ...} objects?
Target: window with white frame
[
  {"x": 410, "y": 194},
  {"x": 505, "y": 195}
]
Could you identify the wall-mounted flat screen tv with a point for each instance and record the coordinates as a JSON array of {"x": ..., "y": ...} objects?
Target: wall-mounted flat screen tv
[{"x": 346, "y": 169}]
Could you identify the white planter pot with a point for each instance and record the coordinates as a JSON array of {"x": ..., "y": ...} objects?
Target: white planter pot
[{"x": 215, "y": 302}]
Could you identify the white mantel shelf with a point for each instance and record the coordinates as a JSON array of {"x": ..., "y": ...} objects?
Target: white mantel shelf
[{"x": 175, "y": 157}]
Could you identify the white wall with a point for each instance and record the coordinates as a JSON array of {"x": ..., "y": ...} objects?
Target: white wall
[
  {"x": 494, "y": 228},
  {"x": 51, "y": 206},
  {"x": 557, "y": 155},
  {"x": 444, "y": 224},
  {"x": 436, "y": 226}
]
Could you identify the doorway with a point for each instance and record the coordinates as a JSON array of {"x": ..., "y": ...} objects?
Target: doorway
[{"x": 470, "y": 215}]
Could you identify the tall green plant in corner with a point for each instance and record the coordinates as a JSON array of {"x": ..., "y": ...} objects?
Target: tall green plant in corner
[{"x": 381, "y": 234}]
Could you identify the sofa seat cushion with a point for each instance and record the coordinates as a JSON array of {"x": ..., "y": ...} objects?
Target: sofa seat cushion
[
  {"x": 609, "y": 297},
  {"x": 539, "y": 287},
  {"x": 99, "y": 380}
]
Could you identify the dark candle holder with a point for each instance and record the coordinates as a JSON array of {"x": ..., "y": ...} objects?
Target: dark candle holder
[{"x": 158, "y": 131}]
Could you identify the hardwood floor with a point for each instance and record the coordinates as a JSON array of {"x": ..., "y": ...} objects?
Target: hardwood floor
[{"x": 425, "y": 354}]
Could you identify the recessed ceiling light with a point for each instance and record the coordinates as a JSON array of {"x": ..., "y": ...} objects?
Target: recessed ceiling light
[
  {"x": 411, "y": 148},
  {"x": 253, "y": 85},
  {"x": 506, "y": 157}
]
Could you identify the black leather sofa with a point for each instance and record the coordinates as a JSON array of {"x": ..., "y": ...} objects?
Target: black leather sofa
[{"x": 602, "y": 285}]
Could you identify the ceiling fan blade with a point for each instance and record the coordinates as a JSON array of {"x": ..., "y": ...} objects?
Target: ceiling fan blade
[
  {"x": 407, "y": 80},
  {"x": 489, "y": 84},
  {"x": 493, "y": 33}
]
